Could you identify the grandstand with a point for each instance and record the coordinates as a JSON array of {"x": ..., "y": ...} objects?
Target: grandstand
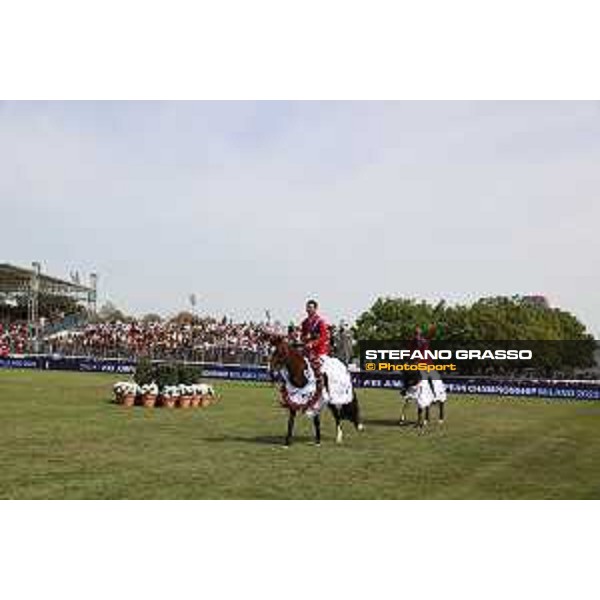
[{"x": 18, "y": 283}]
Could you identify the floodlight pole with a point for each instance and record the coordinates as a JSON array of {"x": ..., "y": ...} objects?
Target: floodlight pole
[
  {"x": 93, "y": 294},
  {"x": 34, "y": 290}
]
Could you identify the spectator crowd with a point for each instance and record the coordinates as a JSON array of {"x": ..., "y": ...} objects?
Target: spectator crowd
[
  {"x": 14, "y": 338},
  {"x": 205, "y": 339},
  {"x": 200, "y": 339}
]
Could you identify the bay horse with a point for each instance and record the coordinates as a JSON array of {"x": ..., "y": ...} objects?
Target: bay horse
[{"x": 291, "y": 365}]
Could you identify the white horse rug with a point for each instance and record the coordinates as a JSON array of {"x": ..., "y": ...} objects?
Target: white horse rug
[
  {"x": 338, "y": 380},
  {"x": 339, "y": 383},
  {"x": 423, "y": 394}
]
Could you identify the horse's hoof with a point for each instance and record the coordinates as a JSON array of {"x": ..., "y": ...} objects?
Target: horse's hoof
[
  {"x": 360, "y": 427},
  {"x": 441, "y": 421}
]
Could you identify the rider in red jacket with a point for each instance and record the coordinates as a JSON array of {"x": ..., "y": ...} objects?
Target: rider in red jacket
[
  {"x": 315, "y": 336},
  {"x": 422, "y": 342},
  {"x": 315, "y": 331}
]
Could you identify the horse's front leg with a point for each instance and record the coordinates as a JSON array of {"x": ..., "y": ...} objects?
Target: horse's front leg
[
  {"x": 290, "y": 427},
  {"x": 317, "y": 427},
  {"x": 404, "y": 407}
]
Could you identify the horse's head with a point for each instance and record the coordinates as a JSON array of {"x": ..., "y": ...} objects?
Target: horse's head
[
  {"x": 280, "y": 352},
  {"x": 410, "y": 379},
  {"x": 284, "y": 357}
]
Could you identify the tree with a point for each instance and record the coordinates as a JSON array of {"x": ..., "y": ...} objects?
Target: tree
[
  {"x": 184, "y": 317},
  {"x": 497, "y": 318},
  {"x": 151, "y": 318},
  {"x": 109, "y": 312},
  {"x": 393, "y": 318}
]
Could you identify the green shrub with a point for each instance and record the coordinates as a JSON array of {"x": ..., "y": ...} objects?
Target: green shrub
[
  {"x": 167, "y": 374},
  {"x": 173, "y": 373},
  {"x": 188, "y": 374},
  {"x": 144, "y": 372}
]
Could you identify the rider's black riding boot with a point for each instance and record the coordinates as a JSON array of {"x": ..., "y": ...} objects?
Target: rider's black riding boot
[{"x": 319, "y": 385}]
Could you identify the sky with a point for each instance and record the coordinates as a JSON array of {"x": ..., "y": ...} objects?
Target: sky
[{"x": 261, "y": 205}]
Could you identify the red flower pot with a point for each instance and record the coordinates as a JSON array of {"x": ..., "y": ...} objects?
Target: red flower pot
[
  {"x": 128, "y": 400},
  {"x": 148, "y": 400},
  {"x": 168, "y": 401},
  {"x": 185, "y": 401}
]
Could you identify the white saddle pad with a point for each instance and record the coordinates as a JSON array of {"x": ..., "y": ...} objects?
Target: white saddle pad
[
  {"x": 424, "y": 396},
  {"x": 338, "y": 380}
]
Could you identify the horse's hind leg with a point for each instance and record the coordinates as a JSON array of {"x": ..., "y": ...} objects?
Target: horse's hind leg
[
  {"x": 355, "y": 408},
  {"x": 317, "y": 427},
  {"x": 335, "y": 411},
  {"x": 290, "y": 428},
  {"x": 441, "y": 415}
]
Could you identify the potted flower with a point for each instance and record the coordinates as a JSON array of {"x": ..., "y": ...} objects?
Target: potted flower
[
  {"x": 169, "y": 396},
  {"x": 196, "y": 397},
  {"x": 185, "y": 396},
  {"x": 187, "y": 376},
  {"x": 128, "y": 393},
  {"x": 207, "y": 394},
  {"x": 119, "y": 389},
  {"x": 149, "y": 393},
  {"x": 145, "y": 377},
  {"x": 166, "y": 380}
]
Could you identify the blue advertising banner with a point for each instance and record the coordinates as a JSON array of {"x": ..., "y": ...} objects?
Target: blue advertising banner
[
  {"x": 494, "y": 387},
  {"x": 11, "y": 362},
  {"x": 68, "y": 363},
  {"x": 239, "y": 373},
  {"x": 363, "y": 379}
]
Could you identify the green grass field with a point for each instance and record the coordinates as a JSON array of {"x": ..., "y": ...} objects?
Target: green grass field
[{"x": 61, "y": 437}]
